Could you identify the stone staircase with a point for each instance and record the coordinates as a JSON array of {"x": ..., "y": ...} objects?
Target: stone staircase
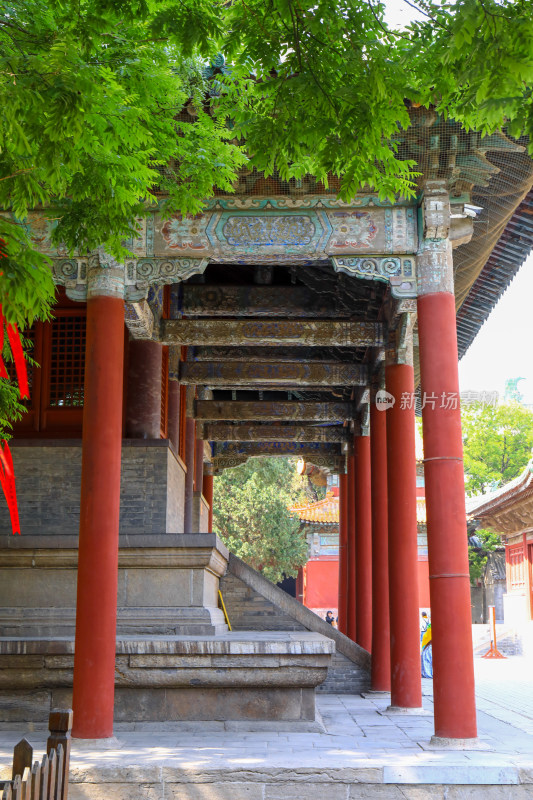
[{"x": 255, "y": 604}]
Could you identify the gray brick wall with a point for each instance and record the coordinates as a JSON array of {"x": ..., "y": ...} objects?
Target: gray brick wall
[{"x": 48, "y": 478}]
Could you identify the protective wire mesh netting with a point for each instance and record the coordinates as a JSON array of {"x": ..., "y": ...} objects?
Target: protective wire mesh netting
[{"x": 494, "y": 173}]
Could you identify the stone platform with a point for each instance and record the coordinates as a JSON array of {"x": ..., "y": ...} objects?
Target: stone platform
[
  {"x": 234, "y": 676},
  {"x": 361, "y": 754}
]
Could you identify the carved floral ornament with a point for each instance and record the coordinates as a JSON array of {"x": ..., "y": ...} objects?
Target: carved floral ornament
[{"x": 139, "y": 275}]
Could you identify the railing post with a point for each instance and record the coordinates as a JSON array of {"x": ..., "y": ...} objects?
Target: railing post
[{"x": 60, "y": 726}]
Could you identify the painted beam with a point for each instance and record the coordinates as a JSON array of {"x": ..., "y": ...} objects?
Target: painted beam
[
  {"x": 256, "y": 301},
  {"x": 216, "y": 432},
  {"x": 322, "y": 333},
  {"x": 274, "y": 411},
  {"x": 267, "y": 354},
  {"x": 300, "y": 449},
  {"x": 246, "y": 373}
]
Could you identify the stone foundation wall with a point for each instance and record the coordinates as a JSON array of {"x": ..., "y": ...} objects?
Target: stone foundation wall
[
  {"x": 255, "y": 604},
  {"x": 48, "y": 487}
]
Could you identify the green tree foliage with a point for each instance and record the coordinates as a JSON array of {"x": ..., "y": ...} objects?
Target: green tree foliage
[
  {"x": 497, "y": 444},
  {"x": 90, "y": 91},
  {"x": 325, "y": 84},
  {"x": 250, "y": 514},
  {"x": 477, "y": 556}
]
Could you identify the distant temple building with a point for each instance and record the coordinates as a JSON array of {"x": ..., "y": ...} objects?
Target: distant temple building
[
  {"x": 317, "y": 586},
  {"x": 509, "y": 512}
]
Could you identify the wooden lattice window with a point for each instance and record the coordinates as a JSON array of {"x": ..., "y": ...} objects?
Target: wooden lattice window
[
  {"x": 67, "y": 361},
  {"x": 56, "y": 384},
  {"x": 516, "y": 567}
]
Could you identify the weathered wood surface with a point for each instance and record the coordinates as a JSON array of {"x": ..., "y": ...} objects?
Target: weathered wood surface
[
  {"x": 275, "y": 433},
  {"x": 256, "y": 301},
  {"x": 273, "y": 411},
  {"x": 245, "y": 373},
  {"x": 301, "y": 449},
  {"x": 49, "y": 779},
  {"x": 322, "y": 333},
  {"x": 298, "y": 354}
]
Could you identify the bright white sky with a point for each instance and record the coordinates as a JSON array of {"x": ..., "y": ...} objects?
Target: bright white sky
[{"x": 502, "y": 347}]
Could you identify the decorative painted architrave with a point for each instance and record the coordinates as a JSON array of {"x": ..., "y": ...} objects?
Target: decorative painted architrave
[
  {"x": 276, "y": 230},
  {"x": 399, "y": 272}
]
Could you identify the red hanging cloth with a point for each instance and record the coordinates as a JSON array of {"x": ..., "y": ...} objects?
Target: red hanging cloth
[
  {"x": 7, "y": 473},
  {"x": 7, "y": 481},
  {"x": 3, "y": 370},
  {"x": 18, "y": 356}
]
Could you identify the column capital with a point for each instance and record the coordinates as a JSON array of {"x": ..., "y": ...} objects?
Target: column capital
[{"x": 435, "y": 262}]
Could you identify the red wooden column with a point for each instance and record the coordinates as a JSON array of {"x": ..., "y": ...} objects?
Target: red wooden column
[
  {"x": 380, "y": 551},
  {"x": 300, "y": 585},
  {"x": 363, "y": 543},
  {"x": 143, "y": 403},
  {"x": 198, "y": 484},
  {"x": 174, "y": 414},
  {"x": 406, "y": 684},
  {"x": 343, "y": 552},
  {"x": 453, "y": 666},
  {"x": 350, "y": 617},
  {"x": 207, "y": 491},
  {"x": 96, "y": 611},
  {"x": 190, "y": 443}
]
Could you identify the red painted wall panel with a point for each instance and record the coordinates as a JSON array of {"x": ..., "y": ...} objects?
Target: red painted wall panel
[
  {"x": 321, "y": 584},
  {"x": 423, "y": 584}
]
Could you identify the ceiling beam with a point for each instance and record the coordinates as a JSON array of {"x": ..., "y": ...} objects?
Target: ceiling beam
[
  {"x": 273, "y": 411},
  {"x": 269, "y": 354},
  {"x": 257, "y": 301},
  {"x": 219, "y": 432},
  {"x": 300, "y": 449},
  {"x": 322, "y": 333},
  {"x": 246, "y": 373},
  {"x": 331, "y": 462}
]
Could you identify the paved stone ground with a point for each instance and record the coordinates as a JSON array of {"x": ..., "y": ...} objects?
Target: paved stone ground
[{"x": 361, "y": 746}]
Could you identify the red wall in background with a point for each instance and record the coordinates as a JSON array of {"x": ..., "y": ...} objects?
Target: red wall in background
[
  {"x": 423, "y": 584},
  {"x": 321, "y": 583}
]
